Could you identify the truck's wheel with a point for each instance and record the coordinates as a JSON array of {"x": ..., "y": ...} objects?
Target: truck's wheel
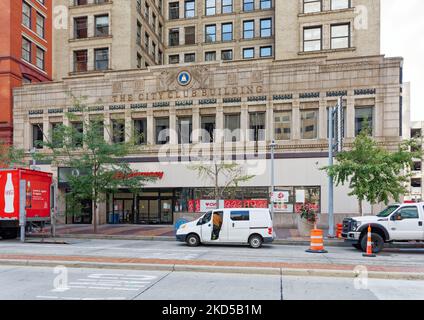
[
  {"x": 357, "y": 246},
  {"x": 193, "y": 240},
  {"x": 9, "y": 234},
  {"x": 377, "y": 243},
  {"x": 255, "y": 241}
]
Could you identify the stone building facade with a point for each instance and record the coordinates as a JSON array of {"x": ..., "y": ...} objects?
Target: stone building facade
[{"x": 320, "y": 50}]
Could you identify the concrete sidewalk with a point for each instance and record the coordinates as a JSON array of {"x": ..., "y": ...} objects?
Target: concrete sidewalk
[
  {"x": 241, "y": 267},
  {"x": 148, "y": 232}
]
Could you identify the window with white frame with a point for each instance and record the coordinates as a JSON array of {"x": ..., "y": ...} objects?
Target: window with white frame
[
  {"x": 210, "y": 7},
  {"x": 311, "y": 6},
  {"x": 312, "y": 40},
  {"x": 340, "y": 36},
  {"x": 340, "y": 4}
]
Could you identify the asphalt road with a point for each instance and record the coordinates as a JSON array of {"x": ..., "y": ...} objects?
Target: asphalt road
[
  {"x": 39, "y": 283},
  {"x": 180, "y": 251}
]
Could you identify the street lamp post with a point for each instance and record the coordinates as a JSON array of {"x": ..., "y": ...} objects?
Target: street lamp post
[
  {"x": 272, "y": 146},
  {"x": 32, "y": 152}
]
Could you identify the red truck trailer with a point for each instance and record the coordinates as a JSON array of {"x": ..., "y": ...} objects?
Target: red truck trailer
[{"x": 23, "y": 188}]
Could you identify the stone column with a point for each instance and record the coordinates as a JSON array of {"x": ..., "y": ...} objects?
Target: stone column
[
  {"x": 173, "y": 135},
  {"x": 323, "y": 120},
  {"x": 296, "y": 120},
  {"x": 350, "y": 116},
  {"x": 219, "y": 132},
  {"x": 150, "y": 128},
  {"x": 196, "y": 125},
  {"x": 269, "y": 123},
  {"x": 107, "y": 128},
  {"x": 244, "y": 123},
  {"x": 128, "y": 126},
  {"x": 46, "y": 129}
]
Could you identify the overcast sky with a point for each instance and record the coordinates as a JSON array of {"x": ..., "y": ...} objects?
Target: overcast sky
[{"x": 403, "y": 35}]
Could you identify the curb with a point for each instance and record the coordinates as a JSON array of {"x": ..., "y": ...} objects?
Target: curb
[{"x": 215, "y": 269}]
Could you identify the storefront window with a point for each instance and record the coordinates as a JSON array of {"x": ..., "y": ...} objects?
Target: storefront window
[{"x": 295, "y": 197}]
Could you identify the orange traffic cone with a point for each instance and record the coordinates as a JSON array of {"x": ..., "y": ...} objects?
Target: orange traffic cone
[
  {"x": 369, "y": 245},
  {"x": 317, "y": 242}
]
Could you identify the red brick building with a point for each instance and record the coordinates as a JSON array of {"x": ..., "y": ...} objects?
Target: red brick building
[{"x": 25, "y": 51}]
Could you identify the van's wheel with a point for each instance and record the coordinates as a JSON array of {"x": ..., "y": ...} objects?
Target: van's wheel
[
  {"x": 255, "y": 241},
  {"x": 376, "y": 240},
  {"x": 193, "y": 240}
]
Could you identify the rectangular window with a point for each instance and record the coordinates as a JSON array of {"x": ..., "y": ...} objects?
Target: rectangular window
[
  {"x": 80, "y": 28},
  {"x": 146, "y": 12},
  {"x": 26, "y": 15},
  {"x": 162, "y": 130},
  {"x": 77, "y": 134},
  {"x": 174, "y": 10},
  {"x": 340, "y": 4},
  {"x": 363, "y": 120},
  {"x": 26, "y": 50},
  {"x": 138, "y": 40},
  {"x": 55, "y": 134},
  {"x": 185, "y": 128},
  {"x": 210, "y": 56},
  {"x": 102, "y": 26},
  {"x": 118, "y": 130},
  {"x": 210, "y": 33},
  {"x": 266, "y": 28},
  {"x": 190, "y": 35},
  {"x": 266, "y": 52},
  {"x": 227, "y": 31},
  {"x": 227, "y": 55},
  {"x": 248, "y": 5},
  {"x": 40, "y": 25},
  {"x": 140, "y": 131},
  {"x": 189, "y": 9},
  {"x": 139, "y": 59},
  {"x": 40, "y": 58},
  {"x": 227, "y": 6},
  {"x": 266, "y": 4},
  {"x": 80, "y": 2},
  {"x": 210, "y": 7},
  {"x": 282, "y": 125},
  {"x": 344, "y": 123},
  {"x": 37, "y": 136},
  {"x": 146, "y": 42},
  {"x": 174, "y": 37},
  {"x": 239, "y": 215},
  {"x": 174, "y": 59},
  {"x": 309, "y": 124},
  {"x": 310, "y": 6},
  {"x": 101, "y": 59},
  {"x": 189, "y": 57},
  {"x": 232, "y": 127},
  {"x": 340, "y": 36},
  {"x": 248, "y": 53},
  {"x": 257, "y": 126},
  {"x": 80, "y": 61},
  {"x": 249, "y": 29},
  {"x": 208, "y": 128},
  {"x": 153, "y": 51},
  {"x": 312, "y": 39}
]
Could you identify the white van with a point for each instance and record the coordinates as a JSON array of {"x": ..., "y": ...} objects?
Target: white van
[{"x": 229, "y": 226}]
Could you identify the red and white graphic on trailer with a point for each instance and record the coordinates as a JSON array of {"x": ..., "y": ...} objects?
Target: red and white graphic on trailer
[{"x": 37, "y": 202}]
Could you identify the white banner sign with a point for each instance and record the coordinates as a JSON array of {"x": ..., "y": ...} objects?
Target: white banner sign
[{"x": 280, "y": 197}]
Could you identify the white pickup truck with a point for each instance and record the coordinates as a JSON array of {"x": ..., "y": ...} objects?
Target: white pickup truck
[{"x": 396, "y": 223}]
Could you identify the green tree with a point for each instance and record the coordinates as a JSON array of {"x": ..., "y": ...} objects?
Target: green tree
[
  {"x": 374, "y": 174},
  {"x": 101, "y": 164},
  {"x": 10, "y": 156},
  {"x": 223, "y": 175}
]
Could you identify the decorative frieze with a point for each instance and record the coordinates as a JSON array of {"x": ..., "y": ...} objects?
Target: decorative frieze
[
  {"x": 208, "y": 101},
  {"x": 282, "y": 97},
  {"x": 55, "y": 111},
  {"x": 364, "y": 92},
  {"x": 231, "y": 100},
  {"x": 257, "y": 98},
  {"x": 340, "y": 93},
  {"x": 117, "y": 107},
  {"x": 184, "y": 103},
  {"x": 35, "y": 112},
  {"x": 138, "y": 106},
  {"x": 309, "y": 95}
]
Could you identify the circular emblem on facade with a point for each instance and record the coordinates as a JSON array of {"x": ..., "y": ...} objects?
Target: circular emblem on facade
[{"x": 184, "y": 78}]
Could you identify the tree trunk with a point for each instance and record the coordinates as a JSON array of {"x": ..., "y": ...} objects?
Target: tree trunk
[
  {"x": 360, "y": 207},
  {"x": 217, "y": 196},
  {"x": 94, "y": 204}
]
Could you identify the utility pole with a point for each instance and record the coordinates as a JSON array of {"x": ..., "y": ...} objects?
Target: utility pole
[
  {"x": 335, "y": 144},
  {"x": 330, "y": 178}
]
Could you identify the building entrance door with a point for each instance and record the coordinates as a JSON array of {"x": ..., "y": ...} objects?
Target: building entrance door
[{"x": 154, "y": 211}]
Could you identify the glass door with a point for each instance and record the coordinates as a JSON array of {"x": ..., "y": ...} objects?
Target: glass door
[
  {"x": 143, "y": 211},
  {"x": 166, "y": 211}
]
